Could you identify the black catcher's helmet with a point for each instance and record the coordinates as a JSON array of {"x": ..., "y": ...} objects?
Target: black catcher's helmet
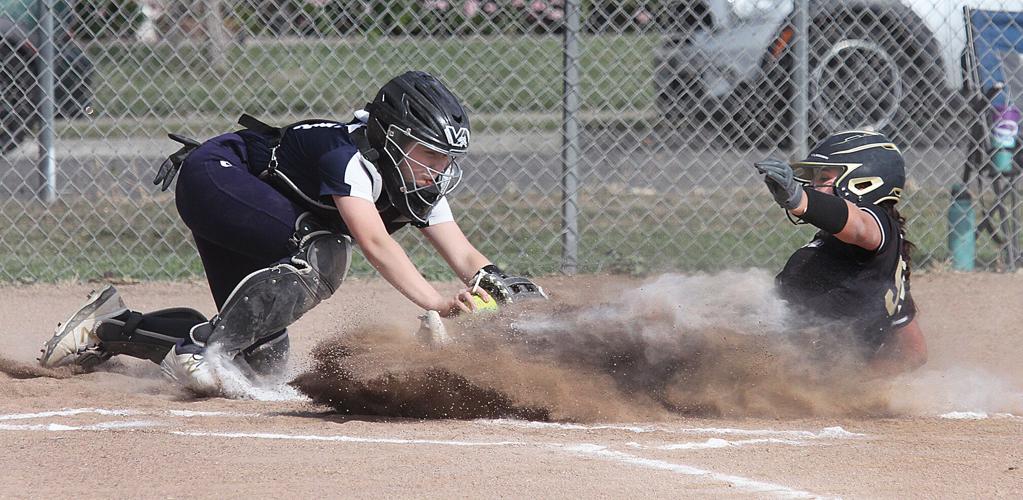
[
  {"x": 416, "y": 110},
  {"x": 870, "y": 167}
]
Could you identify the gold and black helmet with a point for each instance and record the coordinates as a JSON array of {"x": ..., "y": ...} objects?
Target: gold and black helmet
[{"x": 869, "y": 167}]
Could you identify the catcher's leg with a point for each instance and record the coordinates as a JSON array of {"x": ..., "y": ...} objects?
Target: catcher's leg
[
  {"x": 147, "y": 336},
  {"x": 266, "y": 302},
  {"x": 104, "y": 327},
  {"x": 269, "y": 300},
  {"x": 253, "y": 248}
]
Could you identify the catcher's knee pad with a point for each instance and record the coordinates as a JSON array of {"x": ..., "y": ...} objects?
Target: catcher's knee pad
[
  {"x": 327, "y": 254},
  {"x": 269, "y": 355},
  {"x": 130, "y": 336},
  {"x": 268, "y": 300}
]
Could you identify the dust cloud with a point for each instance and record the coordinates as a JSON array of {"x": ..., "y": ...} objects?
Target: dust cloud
[
  {"x": 707, "y": 345},
  {"x": 954, "y": 389}
]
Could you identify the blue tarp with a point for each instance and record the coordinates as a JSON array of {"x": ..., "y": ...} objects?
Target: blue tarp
[{"x": 996, "y": 36}]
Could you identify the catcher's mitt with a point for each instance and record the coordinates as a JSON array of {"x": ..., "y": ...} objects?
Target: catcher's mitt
[
  {"x": 506, "y": 289},
  {"x": 172, "y": 164}
]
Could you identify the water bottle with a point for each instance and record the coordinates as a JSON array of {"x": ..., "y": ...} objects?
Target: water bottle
[{"x": 962, "y": 229}]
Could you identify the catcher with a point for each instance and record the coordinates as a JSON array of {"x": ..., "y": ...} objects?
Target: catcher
[
  {"x": 855, "y": 271},
  {"x": 274, "y": 213}
]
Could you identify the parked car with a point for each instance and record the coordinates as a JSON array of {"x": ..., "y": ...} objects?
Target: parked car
[
  {"x": 20, "y": 90},
  {"x": 888, "y": 64}
]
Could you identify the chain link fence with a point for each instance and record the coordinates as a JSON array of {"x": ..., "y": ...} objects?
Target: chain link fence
[{"x": 610, "y": 136}]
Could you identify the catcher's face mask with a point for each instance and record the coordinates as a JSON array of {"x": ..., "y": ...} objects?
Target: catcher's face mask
[{"x": 427, "y": 173}]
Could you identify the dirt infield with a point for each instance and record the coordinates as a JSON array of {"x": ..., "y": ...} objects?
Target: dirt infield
[{"x": 744, "y": 418}]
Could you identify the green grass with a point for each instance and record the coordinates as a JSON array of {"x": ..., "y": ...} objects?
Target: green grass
[
  {"x": 138, "y": 85},
  {"x": 636, "y": 234}
]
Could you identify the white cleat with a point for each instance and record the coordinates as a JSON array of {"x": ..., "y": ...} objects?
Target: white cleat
[
  {"x": 75, "y": 341},
  {"x": 186, "y": 364}
]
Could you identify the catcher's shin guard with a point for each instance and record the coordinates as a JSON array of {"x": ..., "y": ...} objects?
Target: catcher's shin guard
[
  {"x": 269, "y": 355},
  {"x": 268, "y": 300}
]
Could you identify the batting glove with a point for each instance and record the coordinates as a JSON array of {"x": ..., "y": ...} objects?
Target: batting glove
[{"x": 782, "y": 182}]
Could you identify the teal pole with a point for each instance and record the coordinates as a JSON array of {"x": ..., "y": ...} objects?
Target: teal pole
[{"x": 962, "y": 225}]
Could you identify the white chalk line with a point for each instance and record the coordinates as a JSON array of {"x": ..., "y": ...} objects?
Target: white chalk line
[
  {"x": 977, "y": 415},
  {"x": 102, "y": 426},
  {"x": 346, "y": 439},
  {"x": 825, "y": 433},
  {"x": 67, "y": 412},
  {"x": 714, "y": 443},
  {"x": 528, "y": 424},
  {"x": 740, "y": 482},
  {"x": 599, "y": 451},
  {"x": 194, "y": 414}
]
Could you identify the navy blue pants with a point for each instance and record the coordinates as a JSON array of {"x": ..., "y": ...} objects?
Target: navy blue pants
[{"x": 240, "y": 224}]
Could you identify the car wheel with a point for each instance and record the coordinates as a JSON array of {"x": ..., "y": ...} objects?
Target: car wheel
[
  {"x": 872, "y": 70},
  {"x": 18, "y": 92},
  {"x": 856, "y": 84}
]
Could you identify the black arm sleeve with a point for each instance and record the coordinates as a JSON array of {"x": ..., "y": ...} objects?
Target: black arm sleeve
[{"x": 826, "y": 211}]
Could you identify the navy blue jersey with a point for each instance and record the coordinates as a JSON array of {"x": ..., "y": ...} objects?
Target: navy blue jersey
[
  {"x": 866, "y": 290},
  {"x": 319, "y": 159}
]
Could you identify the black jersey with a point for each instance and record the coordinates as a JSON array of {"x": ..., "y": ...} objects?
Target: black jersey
[
  {"x": 318, "y": 159},
  {"x": 866, "y": 290}
]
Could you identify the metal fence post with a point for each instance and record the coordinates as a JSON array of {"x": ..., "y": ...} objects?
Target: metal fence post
[
  {"x": 570, "y": 140},
  {"x": 47, "y": 156},
  {"x": 802, "y": 79}
]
